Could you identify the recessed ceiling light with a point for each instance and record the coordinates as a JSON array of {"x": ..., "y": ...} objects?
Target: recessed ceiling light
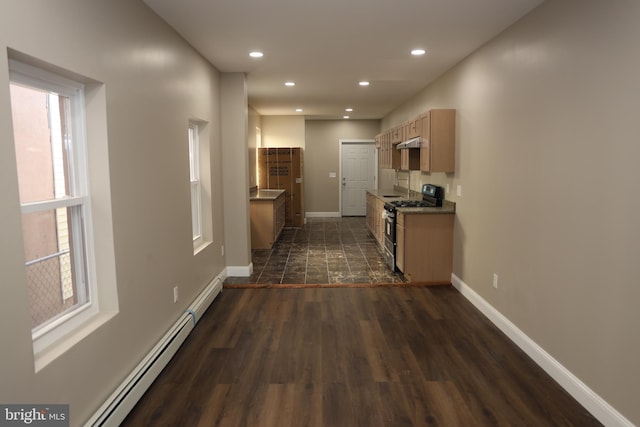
[
  {"x": 418, "y": 52},
  {"x": 345, "y": 117},
  {"x": 364, "y": 83},
  {"x": 256, "y": 54},
  {"x": 290, "y": 83},
  {"x": 299, "y": 110},
  {"x": 348, "y": 109}
]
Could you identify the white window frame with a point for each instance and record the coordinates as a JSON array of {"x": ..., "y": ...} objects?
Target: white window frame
[
  {"x": 80, "y": 202},
  {"x": 200, "y": 184},
  {"x": 195, "y": 185}
]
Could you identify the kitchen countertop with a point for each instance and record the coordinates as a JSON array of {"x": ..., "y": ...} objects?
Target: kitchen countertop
[
  {"x": 265, "y": 194},
  {"x": 388, "y": 195}
]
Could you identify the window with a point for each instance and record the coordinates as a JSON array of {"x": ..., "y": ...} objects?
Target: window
[
  {"x": 49, "y": 137},
  {"x": 196, "y": 194},
  {"x": 200, "y": 177}
]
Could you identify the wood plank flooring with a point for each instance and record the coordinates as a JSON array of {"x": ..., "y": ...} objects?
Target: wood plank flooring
[{"x": 381, "y": 356}]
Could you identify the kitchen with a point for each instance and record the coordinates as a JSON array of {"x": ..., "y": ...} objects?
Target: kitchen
[{"x": 545, "y": 120}]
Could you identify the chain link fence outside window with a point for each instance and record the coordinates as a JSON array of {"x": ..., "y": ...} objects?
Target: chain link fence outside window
[{"x": 50, "y": 284}]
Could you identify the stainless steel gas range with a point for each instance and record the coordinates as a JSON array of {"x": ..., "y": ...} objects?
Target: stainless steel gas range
[{"x": 432, "y": 196}]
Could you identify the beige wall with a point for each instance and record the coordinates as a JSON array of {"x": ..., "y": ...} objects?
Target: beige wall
[
  {"x": 153, "y": 83},
  {"x": 547, "y": 156},
  {"x": 236, "y": 178},
  {"x": 322, "y": 156},
  {"x": 283, "y": 131}
]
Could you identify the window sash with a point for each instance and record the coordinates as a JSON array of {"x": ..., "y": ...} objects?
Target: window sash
[
  {"x": 77, "y": 202},
  {"x": 196, "y": 191}
]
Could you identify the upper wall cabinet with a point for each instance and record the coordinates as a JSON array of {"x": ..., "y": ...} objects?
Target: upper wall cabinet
[
  {"x": 397, "y": 134},
  {"x": 389, "y": 157},
  {"x": 438, "y": 145},
  {"x": 437, "y": 152},
  {"x": 413, "y": 128}
]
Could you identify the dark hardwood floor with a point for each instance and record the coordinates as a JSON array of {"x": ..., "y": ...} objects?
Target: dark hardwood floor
[{"x": 380, "y": 356}]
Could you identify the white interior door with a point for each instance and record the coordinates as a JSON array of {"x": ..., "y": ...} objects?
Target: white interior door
[{"x": 358, "y": 175}]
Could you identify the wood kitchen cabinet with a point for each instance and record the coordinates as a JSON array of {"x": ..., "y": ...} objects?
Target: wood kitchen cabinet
[
  {"x": 413, "y": 128},
  {"x": 438, "y": 145},
  {"x": 375, "y": 223},
  {"x": 389, "y": 157},
  {"x": 437, "y": 152},
  {"x": 268, "y": 216},
  {"x": 424, "y": 247},
  {"x": 409, "y": 159},
  {"x": 397, "y": 134}
]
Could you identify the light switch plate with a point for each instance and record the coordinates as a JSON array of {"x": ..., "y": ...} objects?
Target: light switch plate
[{"x": 459, "y": 190}]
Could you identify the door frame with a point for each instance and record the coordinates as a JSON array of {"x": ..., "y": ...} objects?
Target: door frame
[{"x": 342, "y": 142}]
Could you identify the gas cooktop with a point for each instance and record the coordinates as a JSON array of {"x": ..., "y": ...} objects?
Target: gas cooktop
[{"x": 410, "y": 203}]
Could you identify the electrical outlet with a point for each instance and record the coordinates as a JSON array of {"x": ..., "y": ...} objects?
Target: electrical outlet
[
  {"x": 175, "y": 294},
  {"x": 459, "y": 190},
  {"x": 495, "y": 280},
  {"x": 222, "y": 251}
]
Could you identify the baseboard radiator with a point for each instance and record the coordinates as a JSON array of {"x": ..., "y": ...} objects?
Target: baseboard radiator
[{"x": 123, "y": 399}]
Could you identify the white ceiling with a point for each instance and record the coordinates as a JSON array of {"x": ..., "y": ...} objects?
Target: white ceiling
[{"x": 328, "y": 46}]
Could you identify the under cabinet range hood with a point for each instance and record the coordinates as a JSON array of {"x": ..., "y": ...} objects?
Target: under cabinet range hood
[{"x": 410, "y": 143}]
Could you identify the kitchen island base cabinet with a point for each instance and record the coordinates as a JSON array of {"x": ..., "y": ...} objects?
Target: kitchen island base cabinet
[
  {"x": 424, "y": 251},
  {"x": 267, "y": 221}
]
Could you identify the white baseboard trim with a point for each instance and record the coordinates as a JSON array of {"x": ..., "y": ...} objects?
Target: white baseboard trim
[
  {"x": 238, "y": 271},
  {"x": 597, "y": 406},
  {"x": 118, "y": 405},
  {"x": 323, "y": 214}
]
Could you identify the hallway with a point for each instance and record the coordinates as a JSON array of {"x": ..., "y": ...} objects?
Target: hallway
[
  {"x": 352, "y": 357},
  {"x": 325, "y": 251}
]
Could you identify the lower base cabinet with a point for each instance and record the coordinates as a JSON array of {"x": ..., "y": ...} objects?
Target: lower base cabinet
[
  {"x": 375, "y": 223},
  {"x": 424, "y": 250},
  {"x": 267, "y": 221}
]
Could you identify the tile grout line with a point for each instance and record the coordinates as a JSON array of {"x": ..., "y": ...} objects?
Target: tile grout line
[{"x": 284, "y": 270}]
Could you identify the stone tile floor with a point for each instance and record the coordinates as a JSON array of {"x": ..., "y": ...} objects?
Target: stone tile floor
[{"x": 324, "y": 251}]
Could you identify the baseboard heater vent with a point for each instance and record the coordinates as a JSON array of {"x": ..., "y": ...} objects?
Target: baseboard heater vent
[{"x": 123, "y": 399}]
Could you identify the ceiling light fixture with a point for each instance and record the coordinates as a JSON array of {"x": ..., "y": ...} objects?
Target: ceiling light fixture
[
  {"x": 299, "y": 110},
  {"x": 364, "y": 83},
  {"x": 345, "y": 117},
  {"x": 256, "y": 54},
  {"x": 290, "y": 83},
  {"x": 348, "y": 109},
  {"x": 418, "y": 52}
]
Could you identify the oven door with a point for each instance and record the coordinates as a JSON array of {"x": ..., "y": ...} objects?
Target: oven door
[
  {"x": 390, "y": 224},
  {"x": 390, "y": 238}
]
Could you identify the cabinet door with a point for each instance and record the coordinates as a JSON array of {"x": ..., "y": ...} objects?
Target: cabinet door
[
  {"x": 414, "y": 128},
  {"x": 379, "y": 221},
  {"x": 437, "y": 149},
  {"x": 370, "y": 214},
  {"x": 443, "y": 141}
]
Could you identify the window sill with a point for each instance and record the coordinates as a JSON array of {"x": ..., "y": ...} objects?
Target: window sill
[
  {"x": 52, "y": 352},
  {"x": 201, "y": 247}
]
